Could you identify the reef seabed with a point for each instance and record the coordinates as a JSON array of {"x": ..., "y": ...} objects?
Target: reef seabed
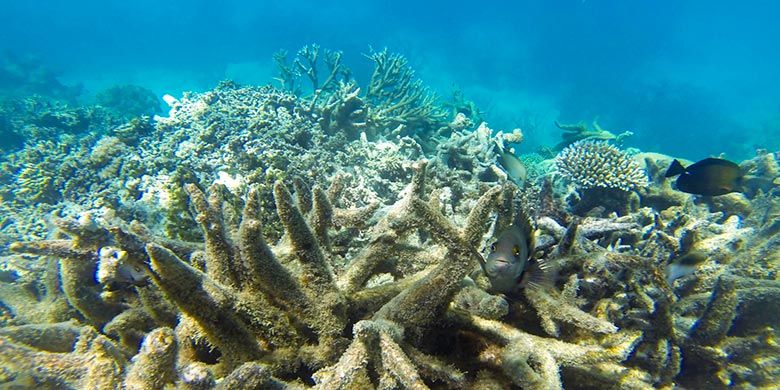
[
  {"x": 366, "y": 274},
  {"x": 236, "y": 310}
]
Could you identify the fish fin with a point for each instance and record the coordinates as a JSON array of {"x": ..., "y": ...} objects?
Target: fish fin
[
  {"x": 712, "y": 161},
  {"x": 675, "y": 169},
  {"x": 479, "y": 257},
  {"x": 539, "y": 273}
]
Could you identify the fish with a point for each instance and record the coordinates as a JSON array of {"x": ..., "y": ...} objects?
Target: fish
[
  {"x": 684, "y": 265},
  {"x": 709, "y": 177},
  {"x": 513, "y": 167},
  {"x": 127, "y": 276},
  {"x": 115, "y": 273},
  {"x": 510, "y": 265}
]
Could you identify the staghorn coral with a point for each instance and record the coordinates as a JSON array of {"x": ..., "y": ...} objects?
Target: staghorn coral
[
  {"x": 695, "y": 328},
  {"x": 393, "y": 104},
  {"x": 344, "y": 110},
  {"x": 232, "y": 134},
  {"x": 400, "y": 99},
  {"x": 532, "y": 362},
  {"x": 270, "y": 310},
  {"x": 307, "y": 63},
  {"x": 141, "y": 170},
  {"x": 393, "y": 327}
]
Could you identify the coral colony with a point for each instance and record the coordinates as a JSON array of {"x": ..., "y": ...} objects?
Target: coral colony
[{"x": 329, "y": 235}]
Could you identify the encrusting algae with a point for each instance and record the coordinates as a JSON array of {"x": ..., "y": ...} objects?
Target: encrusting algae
[{"x": 365, "y": 269}]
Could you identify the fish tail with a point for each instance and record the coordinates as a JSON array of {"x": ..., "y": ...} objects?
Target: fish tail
[{"x": 675, "y": 169}]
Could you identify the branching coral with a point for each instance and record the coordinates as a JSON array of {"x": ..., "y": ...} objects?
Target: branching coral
[
  {"x": 399, "y": 98},
  {"x": 693, "y": 330},
  {"x": 602, "y": 174},
  {"x": 393, "y": 103},
  {"x": 532, "y": 362},
  {"x": 592, "y": 164},
  {"x": 268, "y": 312}
]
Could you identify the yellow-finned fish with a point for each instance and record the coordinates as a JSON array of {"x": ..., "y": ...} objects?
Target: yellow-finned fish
[{"x": 510, "y": 265}]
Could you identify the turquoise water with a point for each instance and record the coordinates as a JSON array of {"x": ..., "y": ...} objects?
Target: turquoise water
[
  {"x": 671, "y": 72},
  {"x": 509, "y": 195}
]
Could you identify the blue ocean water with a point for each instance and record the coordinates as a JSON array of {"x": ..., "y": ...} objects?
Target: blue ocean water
[{"x": 691, "y": 79}]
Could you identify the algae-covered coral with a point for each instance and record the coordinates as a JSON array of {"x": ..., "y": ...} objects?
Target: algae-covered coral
[{"x": 258, "y": 238}]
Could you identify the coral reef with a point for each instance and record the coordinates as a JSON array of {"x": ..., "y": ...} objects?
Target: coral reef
[
  {"x": 394, "y": 103},
  {"x": 24, "y": 75},
  {"x": 399, "y": 98},
  {"x": 28, "y": 119},
  {"x": 129, "y": 101},
  {"x": 258, "y": 238},
  {"x": 590, "y": 164},
  {"x": 144, "y": 161},
  {"x": 287, "y": 307},
  {"x": 604, "y": 176},
  {"x": 580, "y": 131},
  {"x": 237, "y": 135},
  {"x": 307, "y": 63},
  {"x": 254, "y": 312}
]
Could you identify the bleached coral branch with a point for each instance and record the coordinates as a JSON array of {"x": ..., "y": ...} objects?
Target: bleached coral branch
[
  {"x": 533, "y": 361},
  {"x": 551, "y": 309}
]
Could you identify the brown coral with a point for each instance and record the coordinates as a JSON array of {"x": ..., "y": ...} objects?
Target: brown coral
[{"x": 269, "y": 310}]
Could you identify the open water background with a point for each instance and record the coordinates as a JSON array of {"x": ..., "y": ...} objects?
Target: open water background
[{"x": 689, "y": 78}]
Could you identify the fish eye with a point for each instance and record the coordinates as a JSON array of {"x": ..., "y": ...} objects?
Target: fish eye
[
  {"x": 516, "y": 250},
  {"x": 492, "y": 247}
]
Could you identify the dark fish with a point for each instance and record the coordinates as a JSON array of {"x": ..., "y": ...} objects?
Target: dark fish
[
  {"x": 510, "y": 264},
  {"x": 514, "y": 168},
  {"x": 711, "y": 177}
]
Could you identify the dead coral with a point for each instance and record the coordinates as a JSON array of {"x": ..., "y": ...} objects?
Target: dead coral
[
  {"x": 400, "y": 99},
  {"x": 532, "y": 362},
  {"x": 271, "y": 309},
  {"x": 577, "y": 132}
]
